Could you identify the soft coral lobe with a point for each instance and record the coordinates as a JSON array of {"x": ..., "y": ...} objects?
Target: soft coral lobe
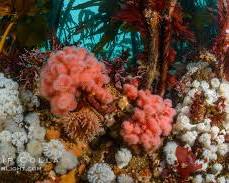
[
  {"x": 70, "y": 73},
  {"x": 152, "y": 119}
]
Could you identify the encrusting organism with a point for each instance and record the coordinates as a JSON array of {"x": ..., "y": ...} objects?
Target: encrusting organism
[
  {"x": 67, "y": 74},
  {"x": 152, "y": 119},
  {"x": 100, "y": 173}
]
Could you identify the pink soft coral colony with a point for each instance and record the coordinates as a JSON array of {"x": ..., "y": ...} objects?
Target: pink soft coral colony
[
  {"x": 151, "y": 120},
  {"x": 69, "y": 73}
]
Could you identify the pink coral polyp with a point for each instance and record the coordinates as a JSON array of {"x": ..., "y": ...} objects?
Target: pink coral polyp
[
  {"x": 63, "y": 103},
  {"x": 70, "y": 72},
  {"x": 131, "y": 91},
  {"x": 152, "y": 119},
  {"x": 62, "y": 83}
]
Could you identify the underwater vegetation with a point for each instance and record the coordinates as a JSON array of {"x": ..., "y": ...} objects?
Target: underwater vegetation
[{"x": 126, "y": 91}]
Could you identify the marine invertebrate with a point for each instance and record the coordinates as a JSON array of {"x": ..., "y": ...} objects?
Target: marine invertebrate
[
  {"x": 202, "y": 125},
  {"x": 25, "y": 160},
  {"x": 19, "y": 138},
  {"x": 29, "y": 100},
  {"x": 69, "y": 72},
  {"x": 100, "y": 173},
  {"x": 123, "y": 157},
  {"x": 198, "y": 179},
  {"x": 10, "y": 106},
  {"x": 35, "y": 148},
  {"x": 123, "y": 178},
  {"x": 170, "y": 153},
  {"x": 32, "y": 119},
  {"x": 53, "y": 149},
  {"x": 217, "y": 168},
  {"x": 151, "y": 120},
  {"x": 82, "y": 125},
  {"x": 210, "y": 178},
  {"x": 36, "y": 132},
  {"x": 8, "y": 154},
  {"x": 67, "y": 162},
  {"x": 5, "y": 136},
  {"x": 52, "y": 134}
]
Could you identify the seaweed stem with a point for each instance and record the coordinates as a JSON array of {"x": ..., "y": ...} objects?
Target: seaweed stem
[
  {"x": 3, "y": 40},
  {"x": 167, "y": 41},
  {"x": 152, "y": 18}
]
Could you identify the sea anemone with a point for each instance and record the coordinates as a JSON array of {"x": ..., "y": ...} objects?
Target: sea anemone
[
  {"x": 32, "y": 119},
  {"x": 69, "y": 72},
  {"x": 82, "y": 125},
  {"x": 100, "y": 173},
  {"x": 25, "y": 160},
  {"x": 8, "y": 154},
  {"x": 151, "y": 120},
  {"x": 19, "y": 138},
  {"x": 170, "y": 153},
  {"x": 123, "y": 178},
  {"x": 200, "y": 131},
  {"x": 35, "y": 148},
  {"x": 123, "y": 157},
  {"x": 29, "y": 100},
  {"x": 10, "y": 105},
  {"x": 67, "y": 162},
  {"x": 36, "y": 132},
  {"x": 5, "y": 136},
  {"x": 53, "y": 150}
]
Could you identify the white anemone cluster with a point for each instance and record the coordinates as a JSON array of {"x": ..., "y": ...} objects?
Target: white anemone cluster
[
  {"x": 10, "y": 105},
  {"x": 100, "y": 173},
  {"x": 54, "y": 150},
  {"x": 22, "y": 146},
  {"x": 22, "y": 138},
  {"x": 209, "y": 136}
]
